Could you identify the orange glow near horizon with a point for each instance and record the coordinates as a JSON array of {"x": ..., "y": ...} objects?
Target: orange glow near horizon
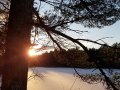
[{"x": 32, "y": 52}]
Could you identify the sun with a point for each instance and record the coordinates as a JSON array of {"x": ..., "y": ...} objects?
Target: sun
[{"x": 32, "y": 52}]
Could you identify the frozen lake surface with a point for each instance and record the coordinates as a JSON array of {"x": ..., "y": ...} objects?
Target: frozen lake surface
[{"x": 60, "y": 79}]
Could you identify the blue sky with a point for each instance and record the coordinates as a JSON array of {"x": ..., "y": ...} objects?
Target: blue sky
[{"x": 97, "y": 33}]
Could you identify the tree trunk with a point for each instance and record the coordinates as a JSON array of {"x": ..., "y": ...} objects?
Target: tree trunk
[{"x": 17, "y": 45}]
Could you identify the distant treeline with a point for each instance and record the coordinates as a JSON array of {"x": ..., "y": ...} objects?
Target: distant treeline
[{"x": 109, "y": 58}]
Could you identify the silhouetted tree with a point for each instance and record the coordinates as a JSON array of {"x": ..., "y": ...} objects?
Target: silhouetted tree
[
  {"x": 90, "y": 13},
  {"x": 15, "y": 69}
]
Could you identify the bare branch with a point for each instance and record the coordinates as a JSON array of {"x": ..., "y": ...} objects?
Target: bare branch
[
  {"x": 54, "y": 40},
  {"x": 101, "y": 39},
  {"x": 97, "y": 43},
  {"x": 4, "y": 5}
]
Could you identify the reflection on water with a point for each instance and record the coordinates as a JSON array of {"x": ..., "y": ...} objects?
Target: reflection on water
[{"x": 59, "y": 79}]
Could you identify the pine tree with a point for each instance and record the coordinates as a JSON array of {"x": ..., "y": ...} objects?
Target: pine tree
[{"x": 17, "y": 44}]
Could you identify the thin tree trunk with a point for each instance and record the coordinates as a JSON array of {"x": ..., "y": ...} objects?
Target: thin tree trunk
[{"x": 17, "y": 44}]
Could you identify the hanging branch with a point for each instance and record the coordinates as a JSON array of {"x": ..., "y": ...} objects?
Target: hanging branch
[
  {"x": 54, "y": 40},
  {"x": 90, "y": 56},
  {"x": 42, "y": 25}
]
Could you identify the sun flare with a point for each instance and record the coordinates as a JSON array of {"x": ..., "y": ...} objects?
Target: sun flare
[{"x": 31, "y": 52}]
